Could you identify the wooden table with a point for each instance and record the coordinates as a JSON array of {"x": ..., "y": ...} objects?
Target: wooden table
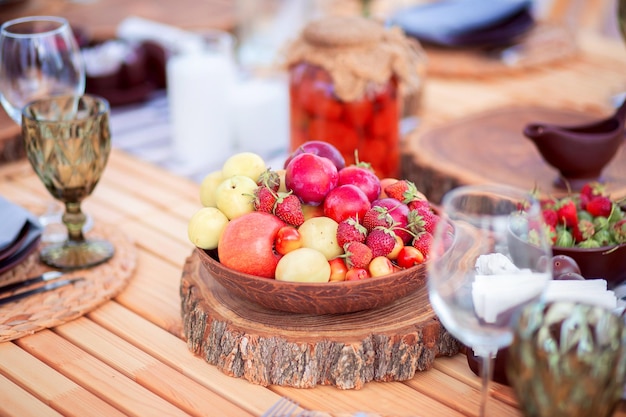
[{"x": 128, "y": 357}]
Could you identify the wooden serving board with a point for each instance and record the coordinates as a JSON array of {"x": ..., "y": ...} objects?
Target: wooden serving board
[
  {"x": 491, "y": 147},
  {"x": 269, "y": 347}
]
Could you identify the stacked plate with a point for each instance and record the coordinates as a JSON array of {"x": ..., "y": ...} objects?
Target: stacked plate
[
  {"x": 466, "y": 23},
  {"x": 20, "y": 233}
]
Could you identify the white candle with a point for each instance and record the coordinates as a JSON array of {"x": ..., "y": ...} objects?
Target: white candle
[{"x": 198, "y": 87}]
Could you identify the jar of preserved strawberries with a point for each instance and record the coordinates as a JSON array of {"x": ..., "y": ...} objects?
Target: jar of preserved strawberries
[{"x": 348, "y": 77}]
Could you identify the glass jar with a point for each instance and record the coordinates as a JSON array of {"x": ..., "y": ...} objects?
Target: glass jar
[
  {"x": 348, "y": 79},
  {"x": 366, "y": 129}
]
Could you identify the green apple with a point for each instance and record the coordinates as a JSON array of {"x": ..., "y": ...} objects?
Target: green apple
[
  {"x": 206, "y": 227},
  {"x": 234, "y": 196},
  {"x": 208, "y": 186},
  {"x": 320, "y": 233},
  {"x": 303, "y": 265},
  {"x": 248, "y": 164}
]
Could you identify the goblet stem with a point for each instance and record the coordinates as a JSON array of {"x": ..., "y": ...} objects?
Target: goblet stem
[
  {"x": 486, "y": 372},
  {"x": 74, "y": 219}
]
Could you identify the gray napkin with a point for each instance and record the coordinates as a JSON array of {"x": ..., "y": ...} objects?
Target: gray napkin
[{"x": 19, "y": 234}]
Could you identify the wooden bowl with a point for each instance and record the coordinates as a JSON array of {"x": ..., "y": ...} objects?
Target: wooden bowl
[
  {"x": 608, "y": 262},
  {"x": 316, "y": 298}
]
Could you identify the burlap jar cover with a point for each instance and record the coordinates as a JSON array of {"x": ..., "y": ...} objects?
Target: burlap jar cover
[{"x": 357, "y": 52}]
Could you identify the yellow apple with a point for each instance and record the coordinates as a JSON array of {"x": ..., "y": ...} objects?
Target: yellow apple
[
  {"x": 234, "y": 196},
  {"x": 320, "y": 233},
  {"x": 248, "y": 164},
  {"x": 208, "y": 186},
  {"x": 206, "y": 226},
  {"x": 303, "y": 265}
]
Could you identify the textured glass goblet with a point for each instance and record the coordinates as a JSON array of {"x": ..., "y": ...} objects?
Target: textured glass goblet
[{"x": 68, "y": 141}]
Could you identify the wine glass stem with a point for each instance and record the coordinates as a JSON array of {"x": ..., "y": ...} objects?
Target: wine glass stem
[
  {"x": 486, "y": 374},
  {"x": 74, "y": 219}
]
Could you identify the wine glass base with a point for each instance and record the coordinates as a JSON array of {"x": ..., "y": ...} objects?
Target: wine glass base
[{"x": 73, "y": 255}]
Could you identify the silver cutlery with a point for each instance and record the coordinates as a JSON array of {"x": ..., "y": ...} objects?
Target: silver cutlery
[
  {"x": 47, "y": 287},
  {"x": 45, "y": 277},
  {"x": 284, "y": 407}
]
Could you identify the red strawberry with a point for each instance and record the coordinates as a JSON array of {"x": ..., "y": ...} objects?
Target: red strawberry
[
  {"x": 422, "y": 204},
  {"x": 423, "y": 242},
  {"x": 404, "y": 191},
  {"x": 599, "y": 206},
  {"x": 423, "y": 220},
  {"x": 269, "y": 179},
  {"x": 377, "y": 216},
  {"x": 357, "y": 254},
  {"x": 264, "y": 199},
  {"x": 350, "y": 230},
  {"x": 550, "y": 217},
  {"x": 567, "y": 213},
  {"x": 381, "y": 241},
  {"x": 288, "y": 208}
]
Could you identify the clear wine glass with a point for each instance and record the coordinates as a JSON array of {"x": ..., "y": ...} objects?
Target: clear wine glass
[
  {"x": 490, "y": 256},
  {"x": 39, "y": 57},
  {"x": 68, "y": 141}
]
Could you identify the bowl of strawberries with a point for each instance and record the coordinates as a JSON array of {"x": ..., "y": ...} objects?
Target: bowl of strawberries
[
  {"x": 314, "y": 236},
  {"x": 589, "y": 227}
]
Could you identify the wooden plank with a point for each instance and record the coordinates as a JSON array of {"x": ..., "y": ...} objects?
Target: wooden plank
[
  {"x": 19, "y": 403},
  {"x": 109, "y": 384},
  {"x": 153, "y": 292},
  {"x": 44, "y": 386},
  {"x": 147, "y": 371},
  {"x": 173, "y": 351}
]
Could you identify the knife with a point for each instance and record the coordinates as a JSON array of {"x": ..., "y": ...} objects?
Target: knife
[
  {"x": 48, "y": 287},
  {"x": 46, "y": 276}
]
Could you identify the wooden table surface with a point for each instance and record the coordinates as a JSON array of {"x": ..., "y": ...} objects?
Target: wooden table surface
[{"x": 127, "y": 357}]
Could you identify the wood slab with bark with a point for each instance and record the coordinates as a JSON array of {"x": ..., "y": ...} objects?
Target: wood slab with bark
[{"x": 269, "y": 347}]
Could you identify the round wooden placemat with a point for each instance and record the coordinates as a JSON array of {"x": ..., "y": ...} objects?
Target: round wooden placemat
[
  {"x": 491, "y": 147},
  {"x": 53, "y": 308},
  {"x": 270, "y": 347},
  {"x": 545, "y": 43}
]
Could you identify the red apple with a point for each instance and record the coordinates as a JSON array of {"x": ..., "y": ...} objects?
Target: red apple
[
  {"x": 247, "y": 244},
  {"x": 311, "y": 177},
  {"x": 346, "y": 201},
  {"x": 363, "y": 178},
  {"x": 319, "y": 148}
]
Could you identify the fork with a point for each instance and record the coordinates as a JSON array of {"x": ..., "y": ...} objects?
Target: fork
[{"x": 284, "y": 407}]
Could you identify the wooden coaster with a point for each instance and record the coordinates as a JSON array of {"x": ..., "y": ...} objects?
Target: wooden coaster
[
  {"x": 269, "y": 347},
  {"x": 53, "y": 308},
  {"x": 546, "y": 43}
]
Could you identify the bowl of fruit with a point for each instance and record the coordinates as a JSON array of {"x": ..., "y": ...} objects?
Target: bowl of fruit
[
  {"x": 589, "y": 227},
  {"x": 315, "y": 236}
]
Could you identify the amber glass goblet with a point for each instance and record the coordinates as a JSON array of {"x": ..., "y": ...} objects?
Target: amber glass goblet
[{"x": 68, "y": 141}]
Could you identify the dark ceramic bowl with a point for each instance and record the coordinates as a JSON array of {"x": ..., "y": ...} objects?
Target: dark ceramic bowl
[
  {"x": 316, "y": 298},
  {"x": 607, "y": 262}
]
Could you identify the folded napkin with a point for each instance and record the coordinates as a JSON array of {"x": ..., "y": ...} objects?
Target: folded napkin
[
  {"x": 499, "y": 287},
  {"x": 466, "y": 23},
  {"x": 19, "y": 234}
]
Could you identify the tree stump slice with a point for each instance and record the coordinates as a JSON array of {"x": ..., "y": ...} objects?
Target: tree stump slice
[
  {"x": 491, "y": 147},
  {"x": 269, "y": 347}
]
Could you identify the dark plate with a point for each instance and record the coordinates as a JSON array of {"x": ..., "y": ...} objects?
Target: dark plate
[{"x": 466, "y": 23}]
